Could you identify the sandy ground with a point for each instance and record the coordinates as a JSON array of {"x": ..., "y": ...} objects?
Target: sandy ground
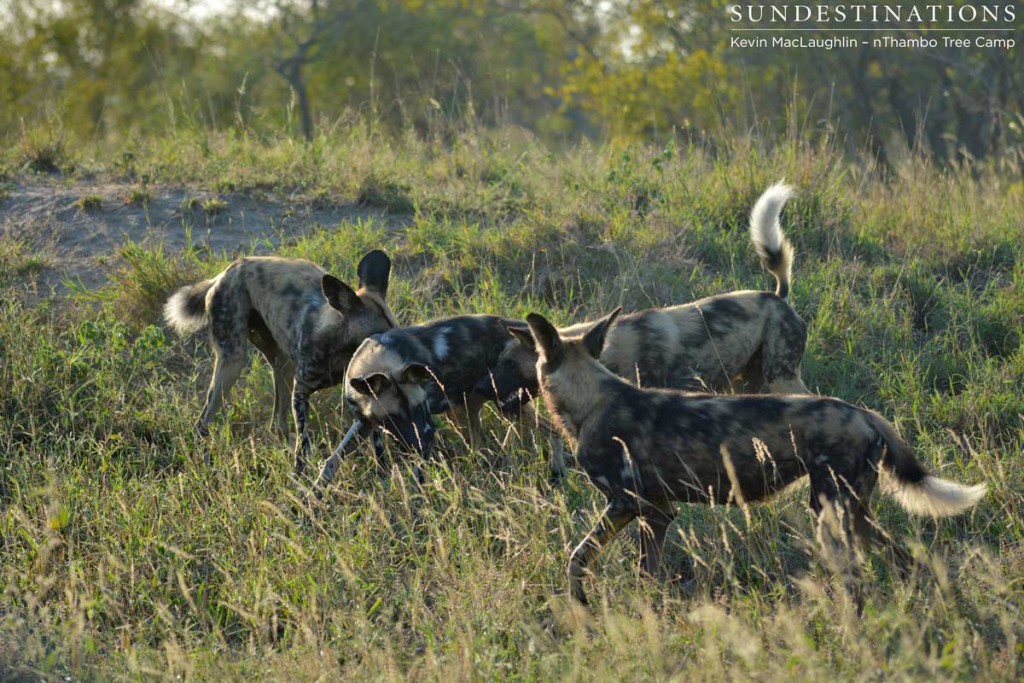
[{"x": 79, "y": 246}]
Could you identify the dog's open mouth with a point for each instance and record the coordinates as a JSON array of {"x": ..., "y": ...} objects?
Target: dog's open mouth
[{"x": 512, "y": 404}]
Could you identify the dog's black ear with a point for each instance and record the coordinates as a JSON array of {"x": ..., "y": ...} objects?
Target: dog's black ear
[
  {"x": 417, "y": 373},
  {"x": 548, "y": 343},
  {"x": 374, "y": 271},
  {"x": 340, "y": 296},
  {"x": 593, "y": 340},
  {"x": 371, "y": 385},
  {"x": 522, "y": 334}
]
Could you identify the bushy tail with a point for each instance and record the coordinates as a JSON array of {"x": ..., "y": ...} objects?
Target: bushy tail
[
  {"x": 185, "y": 311},
  {"x": 765, "y": 232},
  {"x": 917, "y": 491}
]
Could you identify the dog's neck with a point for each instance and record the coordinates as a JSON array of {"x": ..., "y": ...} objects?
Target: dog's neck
[{"x": 574, "y": 392}]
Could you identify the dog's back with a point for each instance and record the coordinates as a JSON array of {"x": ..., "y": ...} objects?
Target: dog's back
[
  {"x": 707, "y": 344},
  {"x": 275, "y": 289},
  {"x": 458, "y": 350},
  {"x": 739, "y": 341}
]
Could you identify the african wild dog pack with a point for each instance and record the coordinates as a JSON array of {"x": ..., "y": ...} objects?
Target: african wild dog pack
[
  {"x": 636, "y": 395},
  {"x": 398, "y": 379}
]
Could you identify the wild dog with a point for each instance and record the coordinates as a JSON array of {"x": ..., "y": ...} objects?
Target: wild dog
[
  {"x": 398, "y": 380},
  {"x": 305, "y": 322},
  {"x": 741, "y": 340},
  {"x": 646, "y": 449}
]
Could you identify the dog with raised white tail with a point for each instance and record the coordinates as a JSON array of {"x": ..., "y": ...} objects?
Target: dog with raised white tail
[{"x": 740, "y": 341}]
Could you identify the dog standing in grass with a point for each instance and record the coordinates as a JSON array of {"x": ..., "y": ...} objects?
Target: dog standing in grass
[
  {"x": 745, "y": 340},
  {"x": 397, "y": 380},
  {"x": 305, "y": 322},
  {"x": 646, "y": 449}
]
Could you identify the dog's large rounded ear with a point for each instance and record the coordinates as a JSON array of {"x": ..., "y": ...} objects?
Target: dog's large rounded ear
[
  {"x": 340, "y": 296},
  {"x": 371, "y": 385},
  {"x": 593, "y": 340},
  {"x": 374, "y": 271},
  {"x": 548, "y": 343},
  {"x": 522, "y": 334},
  {"x": 417, "y": 373}
]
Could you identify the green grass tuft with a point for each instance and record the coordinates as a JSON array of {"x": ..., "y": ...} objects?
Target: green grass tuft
[
  {"x": 385, "y": 193},
  {"x": 89, "y": 202}
]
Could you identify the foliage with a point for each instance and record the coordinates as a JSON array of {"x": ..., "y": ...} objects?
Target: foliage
[{"x": 646, "y": 69}]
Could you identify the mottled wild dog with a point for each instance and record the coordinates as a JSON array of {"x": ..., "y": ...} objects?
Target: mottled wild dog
[
  {"x": 646, "y": 449},
  {"x": 397, "y": 380},
  {"x": 741, "y": 340},
  {"x": 305, "y": 322}
]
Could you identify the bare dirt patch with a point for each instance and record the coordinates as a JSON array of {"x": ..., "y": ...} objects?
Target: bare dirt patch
[{"x": 76, "y": 230}]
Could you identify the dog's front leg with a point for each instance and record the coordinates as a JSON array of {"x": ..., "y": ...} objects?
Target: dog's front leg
[
  {"x": 615, "y": 517},
  {"x": 653, "y": 530},
  {"x": 300, "y": 411},
  {"x": 557, "y": 445}
]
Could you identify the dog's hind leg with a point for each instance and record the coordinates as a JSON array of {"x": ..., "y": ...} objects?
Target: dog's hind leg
[
  {"x": 785, "y": 339},
  {"x": 284, "y": 372},
  {"x": 226, "y": 369},
  {"x": 228, "y": 309},
  {"x": 869, "y": 534},
  {"x": 615, "y": 517},
  {"x": 865, "y": 529}
]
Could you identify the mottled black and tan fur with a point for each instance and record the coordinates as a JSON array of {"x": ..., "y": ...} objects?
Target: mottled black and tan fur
[
  {"x": 399, "y": 379},
  {"x": 740, "y": 341},
  {"x": 306, "y": 323},
  {"x": 646, "y": 449}
]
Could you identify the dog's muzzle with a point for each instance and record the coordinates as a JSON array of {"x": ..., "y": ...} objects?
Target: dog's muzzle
[
  {"x": 416, "y": 434},
  {"x": 513, "y": 404}
]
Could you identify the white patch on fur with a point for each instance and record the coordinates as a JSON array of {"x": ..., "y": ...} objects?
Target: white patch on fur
[
  {"x": 628, "y": 473},
  {"x": 765, "y": 231},
  {"x": 174, "y": 313},
  {"x": 935, "y": 497},
  {"x": 766, "y": 234},
  {"x": 441, "y": 344},
  {"x": 349, "y": 435}
]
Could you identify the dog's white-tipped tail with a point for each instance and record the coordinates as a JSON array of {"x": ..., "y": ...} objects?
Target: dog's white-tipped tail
[
  {"x": 935, "y": 497},
  {"x": 769, "y": 241},
  {"x": 914, "y": 488},
  {"x": 185, "y": 311}
]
